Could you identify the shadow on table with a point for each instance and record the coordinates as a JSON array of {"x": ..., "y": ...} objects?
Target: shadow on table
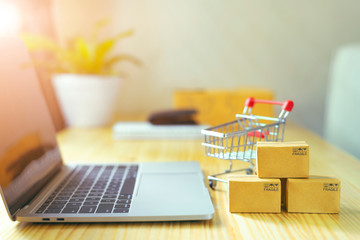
[
  {"x": 138, "y": 230},
  {"x": 346, "y": 221}
]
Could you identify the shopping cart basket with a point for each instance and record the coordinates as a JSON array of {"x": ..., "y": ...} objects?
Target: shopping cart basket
[{"x": 237, "y": 140}]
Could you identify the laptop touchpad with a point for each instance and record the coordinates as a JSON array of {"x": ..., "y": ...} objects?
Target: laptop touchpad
[{"x": 171, "y": 191}]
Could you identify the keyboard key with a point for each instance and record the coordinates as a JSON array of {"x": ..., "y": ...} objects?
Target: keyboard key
[
  {"x": 121, "y": 210},
  {"x": 95, "y": 203},
  {"x": 40, "y": 210},
  {"x": 45, "y": 204},
  {"x": 59, "y": 202},
  {"x": 77, "y": 200},
  {"x": 105, "y": 208},
  {"x": 124, "y": 201},
  {"x": 72, "y": 204},
  {"x": 79, "y": 195},
  {"x": 112, "y": 192},
  {"x": 108, "y": 200},
  {"x": 125, "y": 196},
  {"x": 122, "y": 206},
  {"x": 110, "y": 196},
  {"x": 87, "y": 209},
  {"x": 81, "y": 192},
  {"x": 93, "y": 199},
  {"x": 97, "y": 191},
  {"x": 95, "y": 194},
  {"x": 115, "y": 182},
  {"x": 128, "y": 186},
  {"x": 56, "y": 206},
  {"x": 64, "y": 194},
  {"x": 53, "y": 211},
  {"x": 70, "y": 210},
  {"x": 61, "y": 198}
]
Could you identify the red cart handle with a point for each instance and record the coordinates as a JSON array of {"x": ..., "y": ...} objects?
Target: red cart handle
[{"x": 286, "y": 106}]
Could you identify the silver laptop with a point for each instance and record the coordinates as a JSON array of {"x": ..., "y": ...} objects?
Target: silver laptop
[{"x": 36, "y": 186}]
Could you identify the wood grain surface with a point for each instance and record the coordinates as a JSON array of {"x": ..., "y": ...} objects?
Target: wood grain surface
[{"x": 97, "y": 145}]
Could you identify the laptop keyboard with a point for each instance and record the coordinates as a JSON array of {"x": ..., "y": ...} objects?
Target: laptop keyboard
[{"x": 93, "y": 189}]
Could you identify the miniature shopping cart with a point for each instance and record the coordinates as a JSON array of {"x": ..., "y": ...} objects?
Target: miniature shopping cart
[{"x": 237, "y": 140}]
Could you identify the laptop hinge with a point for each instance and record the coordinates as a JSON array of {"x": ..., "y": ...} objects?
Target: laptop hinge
[{"x": 13, "y": 217}]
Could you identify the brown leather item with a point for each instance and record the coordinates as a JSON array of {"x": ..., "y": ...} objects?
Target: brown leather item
[{"x": 173, "y": 117}]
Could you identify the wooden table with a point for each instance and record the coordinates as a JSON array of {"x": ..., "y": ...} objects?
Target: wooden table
[{"x": 97, "y": 145}]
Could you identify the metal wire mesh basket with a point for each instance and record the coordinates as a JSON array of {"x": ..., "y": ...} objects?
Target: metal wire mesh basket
[{"x": 237, "y": 140}]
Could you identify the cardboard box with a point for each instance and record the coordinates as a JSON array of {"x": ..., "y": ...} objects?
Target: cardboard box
[
  {"x": 252, "y": 194},
  {"x": 282, "y": 159},
  {"x": 216, "y": 106},
  {"x": 315, "y": 194}
]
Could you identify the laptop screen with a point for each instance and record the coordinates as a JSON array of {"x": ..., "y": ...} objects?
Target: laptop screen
[{"x": 29, "y": 155}]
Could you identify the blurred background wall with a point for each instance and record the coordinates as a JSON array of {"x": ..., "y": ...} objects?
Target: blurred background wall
[
  {"x": 32, "y": 16},
  {"x": 286, "y": 46}
]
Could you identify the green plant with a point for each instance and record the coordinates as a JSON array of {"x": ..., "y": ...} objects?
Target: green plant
[{"x": 80, "y": 55}]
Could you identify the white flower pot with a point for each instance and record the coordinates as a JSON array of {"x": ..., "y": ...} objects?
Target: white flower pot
[{"x": 86, "y": 100}]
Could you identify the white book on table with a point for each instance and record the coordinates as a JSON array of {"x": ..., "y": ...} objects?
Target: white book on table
[{"x": 146, "y": 130}]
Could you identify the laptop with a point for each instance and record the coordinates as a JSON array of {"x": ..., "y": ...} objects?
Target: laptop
[{"x": 37, "y": 186}]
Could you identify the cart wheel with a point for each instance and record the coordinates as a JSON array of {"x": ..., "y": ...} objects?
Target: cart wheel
[
  {"x": 249, "y": 171},
  {"x": 212, "y": 184}
]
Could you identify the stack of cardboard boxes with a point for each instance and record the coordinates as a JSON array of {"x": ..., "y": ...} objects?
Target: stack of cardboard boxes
[
  {"x": 283, "y": 180},
  {"x": 216, "y": 106}
]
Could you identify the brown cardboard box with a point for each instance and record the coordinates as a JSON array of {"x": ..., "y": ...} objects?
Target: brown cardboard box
[
  {"x": 252, "y": 194},
  {"x": 315, "y": 194},
  {"x": 282, "y": 159},
  {"x": 216, "y": 106}
]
